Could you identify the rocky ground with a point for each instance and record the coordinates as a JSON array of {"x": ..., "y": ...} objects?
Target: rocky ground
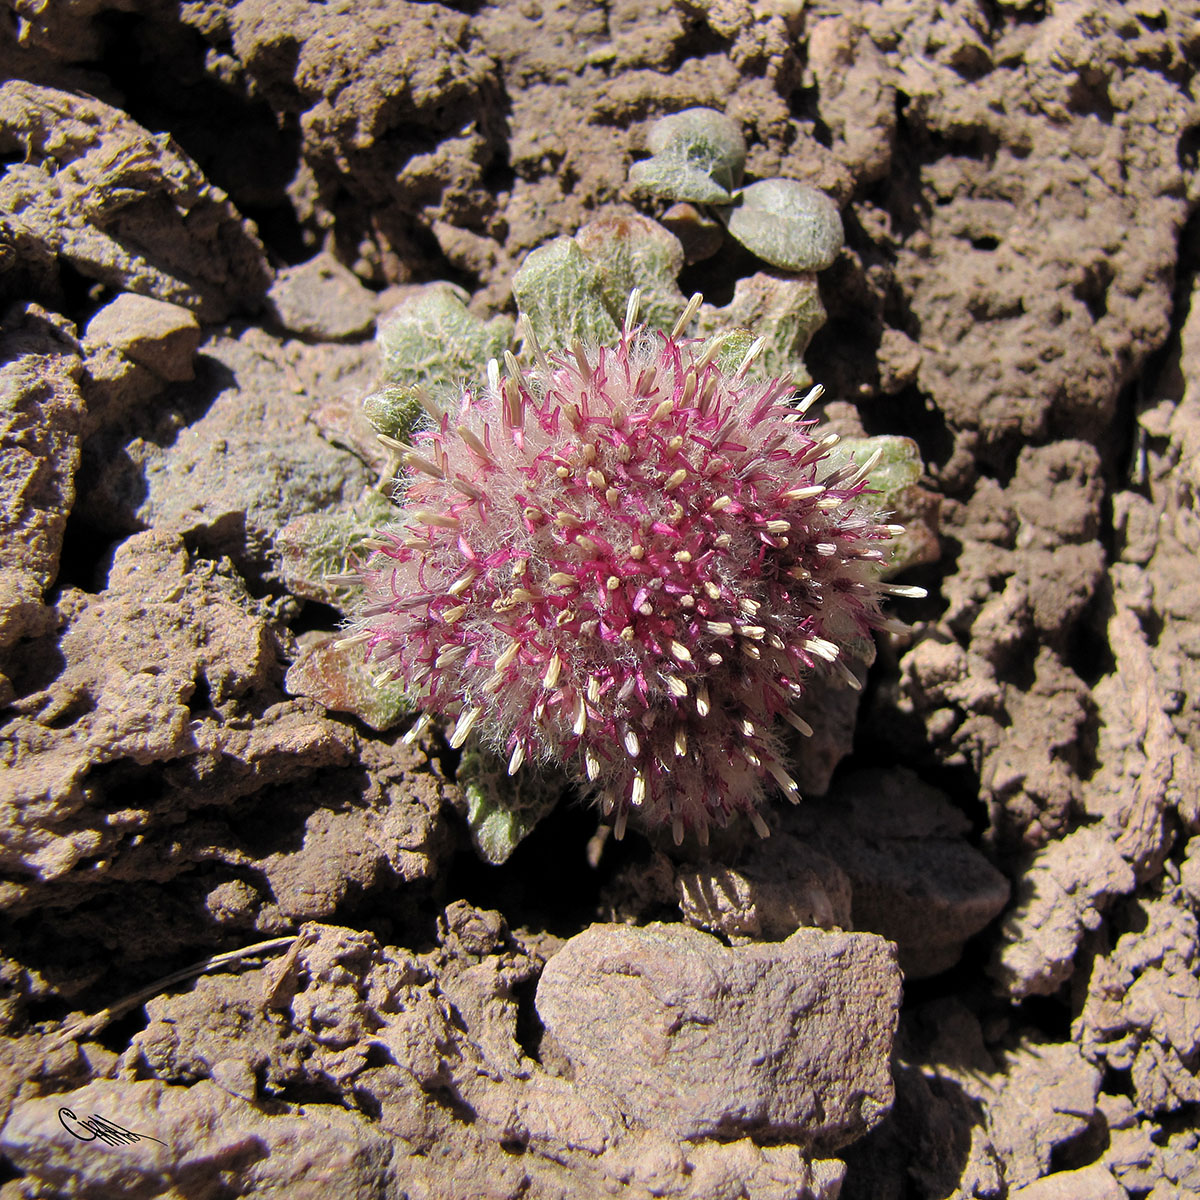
[{"x": 206, "y": 209}]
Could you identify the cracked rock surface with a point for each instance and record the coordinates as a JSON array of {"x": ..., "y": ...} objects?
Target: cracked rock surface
[{"x": 242, "y": 916}]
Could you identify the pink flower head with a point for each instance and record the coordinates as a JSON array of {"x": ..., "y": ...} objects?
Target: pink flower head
[{"x": 628, "y": 561}]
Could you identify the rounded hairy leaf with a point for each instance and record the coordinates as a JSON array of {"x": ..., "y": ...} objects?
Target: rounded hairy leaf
[
  {"x": 787, "y": 224},
  {"x": 560, "y": 293},
  {"x": 631, "y": 251},
  {"x": 675, "y": 179},
  {"x": 432, "y": 340},
  {"x": 896, "y": 481},
  {"x": 704, "y": 138},
  {"x": 503, "y": 809}
]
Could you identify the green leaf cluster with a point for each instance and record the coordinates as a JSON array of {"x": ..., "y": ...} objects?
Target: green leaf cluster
[{"x": 697, "y": 156}]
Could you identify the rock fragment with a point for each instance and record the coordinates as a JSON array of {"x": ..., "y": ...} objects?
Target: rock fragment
[
  {"x": 158, "y": 336},
  {"x": 135, "y": 347},
  {"x": 788, "y": 1040},
  {"x": 935, "y": 1137},
  {"x": 250, "y": 464},
  {"x": 1142, "y": 1012},
  {"x": 191, "y": 1137},
  {"x": 124, "y": 206},
  {"x": 884, "y": 853},
  {"x": 133, "y": 659},
  {"x": 322, "y": 300},
  {"x": 1061, "y": 895},
  {"x": 1147, "y": 772},
  {"x": 779, "y": 886},
  {"x": 41, "y": 420},
  {"x": 914, "y": 877},
  {"x": 1042, "y": 1099},
  {"x": 1089, "y": 1183},
  {"x": 1148, "y": 1160}
]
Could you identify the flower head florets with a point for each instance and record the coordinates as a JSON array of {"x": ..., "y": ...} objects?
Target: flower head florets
[{"x": 628, "y": 561}]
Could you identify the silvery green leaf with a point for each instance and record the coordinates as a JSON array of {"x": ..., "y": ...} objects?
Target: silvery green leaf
[
  {"x": 432, "y": 340},
  {"x": 898, "y": 468},
  {"x": 340, "y": 678},
  {"x": 316, "y": 545},
  {"x": 786, "y": 309},
  {"x": 896, "y": 480},
  {"x": 394, "y": 410},
  {"x": 631, "y": 251},
  {"x": 502, "y": 809},
  {"x": 733, "y": 346},
  {"x": 560, "y": 293},
  {"x": 704, "y": 139},
  {"x": 675, "y": 179},
  {"x": 788, "y": 224}
]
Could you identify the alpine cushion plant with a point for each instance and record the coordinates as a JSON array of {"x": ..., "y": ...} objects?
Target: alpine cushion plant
[{"x": 628, "y": 560}]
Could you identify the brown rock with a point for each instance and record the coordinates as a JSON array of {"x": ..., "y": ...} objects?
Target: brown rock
[
  {"x": 192, "y": 1138},
  {"x": 1060, "y": 894},
  {"x": 158, "y": 336},
  {"x": 166, "y": 637},
  {"x": 1146, "y": 773},
  {"x": 690, "y": 1037},
  {"x": 411, "y": 77},
  {"x": 914, "y": 877},
  {"x": 857, "y": 95},
  {"x": 322, "y": 300},
  {"x": 1043, "y": 1097},
  {"x": 135, "y": 347},
  {"x": 934, "y": 1136},
  {"x": 699, "y": 235},
  {"x": 237, "y": 475},
  {"x": 1146, "y": 1159},
  {"x": 1158, "y": 570},
  {"x": 1033, "y": 316},
  {"x": 776, "y": 887},
  {"x": 395, "y": 1034},
  {"x": 760, "y": 1172},
  {"x": 28, "y": 267},
  {"x": 899, "y": 361},
  {"x": 1088, "y": 1183},
  {"x": 1142, "y": 1012},
  {"x": 123, "y": 206},
  {"x": 358, "y": 833},
  {"x": 41, "y": 418}
]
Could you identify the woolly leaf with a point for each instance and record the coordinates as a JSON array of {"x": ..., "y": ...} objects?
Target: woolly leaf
[
  {"x": 560, "y": 293},
  {"x": 706, "y": 140},
  {"x": 787, "y": 224},
  {"x": 786, "y": 309},
  {"x": 433, "y": 341},
  {"x": 734, "y": 344},
  {"x": 674, "y": 179},
  {"x": 503, "y": 809},
  {"x": 338, "y": 678},
  {"x": 631, "y": 251},
  {"x": 896, "y": 480},
  {"x": 394, "y": 410},
  {"x": 320, "y": 544}
]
